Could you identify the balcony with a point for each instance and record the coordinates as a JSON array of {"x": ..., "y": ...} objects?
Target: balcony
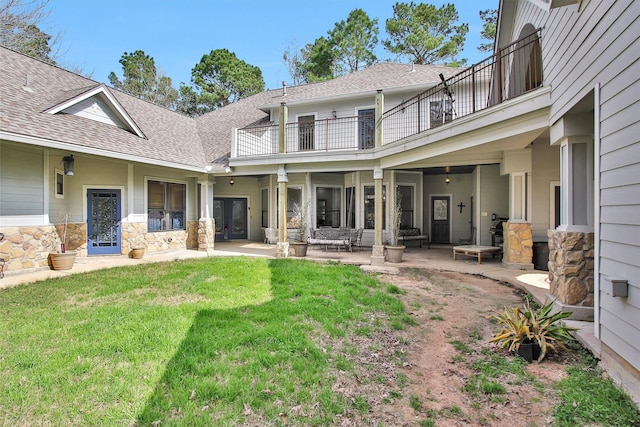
[{"x": 513, "y": 71}]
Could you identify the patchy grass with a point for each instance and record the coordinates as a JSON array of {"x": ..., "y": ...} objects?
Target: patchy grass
[{"x": 222, "y": 341}]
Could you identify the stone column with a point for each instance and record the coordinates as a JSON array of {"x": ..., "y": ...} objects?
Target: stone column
[
  {"x": 571, "y": 268},
  {"x": 206, "y": 235},
  {"x": 518, "y": 245}
]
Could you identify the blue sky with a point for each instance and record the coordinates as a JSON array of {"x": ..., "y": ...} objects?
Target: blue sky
[{"x": 95, "y": 33}]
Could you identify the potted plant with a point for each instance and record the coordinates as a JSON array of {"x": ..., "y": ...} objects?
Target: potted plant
[
  {"x": 394, "y": 250},
  {"x": 531, "y": 332},
  {"x": 64, "y": 259},
  {"x": 138, "y": 246},
  {"x": 300, "y": 218}
]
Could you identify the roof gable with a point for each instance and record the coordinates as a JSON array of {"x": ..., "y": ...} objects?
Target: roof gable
[{"x": 98, "y": 104}]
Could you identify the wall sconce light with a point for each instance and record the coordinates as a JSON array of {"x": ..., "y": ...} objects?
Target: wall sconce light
[
  {"x": 231, "y": 181},
  {"x": 68, "y": 164},
  {"x": 334, "y": 114}
]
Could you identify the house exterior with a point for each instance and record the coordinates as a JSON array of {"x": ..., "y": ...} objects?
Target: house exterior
[{"x": 544, "y": 133}]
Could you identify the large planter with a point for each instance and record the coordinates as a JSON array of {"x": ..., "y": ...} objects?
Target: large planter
[
  {"x": 299, "y": 248},
  {"x": 394, "y": 253},
  {"x": 62, "y": 261},
  {"x": 136, "y": 253}
]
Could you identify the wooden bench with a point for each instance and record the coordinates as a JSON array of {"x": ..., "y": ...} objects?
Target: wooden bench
[
  {"x": 476, "y": 251},
  {"x": 413, "y": 234},
  {"x": 339, "y": 237}
]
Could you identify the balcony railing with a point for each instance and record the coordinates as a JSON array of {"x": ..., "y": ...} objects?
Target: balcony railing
[{"x": 511, "y": 72}]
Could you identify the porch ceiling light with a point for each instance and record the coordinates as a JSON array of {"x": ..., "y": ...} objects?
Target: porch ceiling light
[
  {"x": 447, "y": 180},
  {"x": 231, "y": 181},
  {"x": 68, "y": 164}
]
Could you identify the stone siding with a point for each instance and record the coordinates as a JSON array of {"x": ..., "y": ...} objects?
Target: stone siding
[
  {"x": 135, "y": 234},
  {"x": 206, "y": 235},
  {"x": 518, "y": 245},
  {"x": 571, "y": 267}
]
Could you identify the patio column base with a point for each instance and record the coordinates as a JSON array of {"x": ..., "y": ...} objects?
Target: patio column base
[
  {"x": 282, "y": 250},
  {"x": 377, "y": 255}
]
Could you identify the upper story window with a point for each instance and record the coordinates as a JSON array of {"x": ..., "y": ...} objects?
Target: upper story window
[
  {"x": 366, "y": 128},
  {"x": 306, "y": 133},
  {"x": 166, "y": 205}
]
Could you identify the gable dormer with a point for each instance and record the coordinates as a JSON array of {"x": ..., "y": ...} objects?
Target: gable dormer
[{"x": 97, "y": 103}]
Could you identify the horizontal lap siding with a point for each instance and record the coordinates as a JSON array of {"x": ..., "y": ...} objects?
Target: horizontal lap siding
[
  {"x": 620, "y": 184},
  {"x": 597, "y": 43},
  {"x": 21, "y": 182}
]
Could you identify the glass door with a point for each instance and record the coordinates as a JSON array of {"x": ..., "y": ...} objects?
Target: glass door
[
  {"x": 230, "y": 215},
  {"x": 103, "y": 222}
]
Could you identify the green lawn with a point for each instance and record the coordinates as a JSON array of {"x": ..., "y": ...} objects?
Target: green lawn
[{"x": 220, "y": 341}]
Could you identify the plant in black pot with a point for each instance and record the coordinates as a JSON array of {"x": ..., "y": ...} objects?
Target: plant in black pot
[{"x": 532, "y": 331}]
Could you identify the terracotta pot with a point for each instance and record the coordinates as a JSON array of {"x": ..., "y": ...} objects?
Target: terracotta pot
[
  {"x": 62, "y": 261},
  {"x": 137, "y": 253},
  {"x": 394, "y": 253}
]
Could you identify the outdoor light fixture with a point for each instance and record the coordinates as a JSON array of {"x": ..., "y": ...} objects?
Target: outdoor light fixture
[
  {"x": 68, "y": 164},
  {"x": 447, "y": 180},
  {"x": 334, "y": 114},
  {"x": 231, "y": 181}
]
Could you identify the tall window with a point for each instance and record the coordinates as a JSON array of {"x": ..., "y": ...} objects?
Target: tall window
[
  {"x": 306, "y": 133},
  {"x": 350, "y": 203},
  {"x": 264, "y": 199},
  {"x": 294, "y": 196},
  {"x": 166, "y": 206},
  {"x": 59, "y": 184},
  {"x": 440, "y": 112},
  {"x": 370, "y": 207},
  {"x": 405, "y": 192},
  {"x": 366, "y": 128},
  {"x": 328, "y": 207}
]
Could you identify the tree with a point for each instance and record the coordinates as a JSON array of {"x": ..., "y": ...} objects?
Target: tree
[
  {"x": 319, "y": 64},
  {"x": 424, "y": 33},
  {"x": 292, "y": 56},
  {"x": 489, "y": 26},
  {"x": 220, "y": 78},
  {"x": 142, "y": 80},
  {"x": 19, "y": 20},
  {"x": 354, "y": 42}
]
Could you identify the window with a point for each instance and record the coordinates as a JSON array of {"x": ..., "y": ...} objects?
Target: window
[
  {"x": 328, "y": 207},
  {"x": 264, "y": 197},
  {"x": 370, "y": 207},
  {"x": 294, "y": 196},
  {"x": 366, "y": 128},
  {"x": 440, "y": 112},
  {"x": 306, "y": 133},
  {"x": 59, "y": 184},
  {"x": 166, "y": 202},
  {"x": 350, "y": 202},
  {"x": 405, "y": 192}
]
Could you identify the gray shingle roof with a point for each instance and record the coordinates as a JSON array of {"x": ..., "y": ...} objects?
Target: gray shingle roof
[{"x": 170, "y": 136}]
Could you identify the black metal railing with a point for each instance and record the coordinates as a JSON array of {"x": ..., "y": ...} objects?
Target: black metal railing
[
  {"x": 512, "y": 71},
  {"x": 509, "y": 73}
]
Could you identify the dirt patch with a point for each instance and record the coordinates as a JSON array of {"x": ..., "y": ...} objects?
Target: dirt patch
[{"x": 430, "y": 381}]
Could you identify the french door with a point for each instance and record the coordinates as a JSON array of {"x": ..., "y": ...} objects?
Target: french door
[
  {"x": 230, "y": 215},
  {"x": 103, "y": 222}
]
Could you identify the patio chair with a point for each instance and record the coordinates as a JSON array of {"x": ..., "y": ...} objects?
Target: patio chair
[
  {"x": 356, "y": 238},
  {"x": 271, "y": 235},
  {"x": 471, "y": 240}
]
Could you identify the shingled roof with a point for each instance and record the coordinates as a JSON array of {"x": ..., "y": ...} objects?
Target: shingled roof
[{"x": 30, "y": 87}]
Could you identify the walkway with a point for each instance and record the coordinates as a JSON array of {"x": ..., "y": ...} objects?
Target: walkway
[{"x": 437, "y": 258}]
